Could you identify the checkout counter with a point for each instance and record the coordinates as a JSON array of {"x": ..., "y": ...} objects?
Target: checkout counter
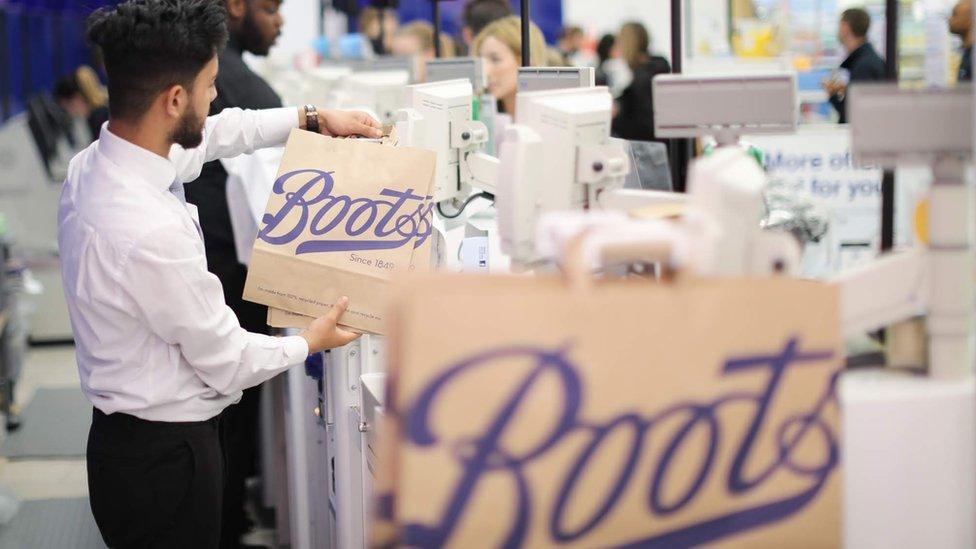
[{"x": 329, "y": 413}]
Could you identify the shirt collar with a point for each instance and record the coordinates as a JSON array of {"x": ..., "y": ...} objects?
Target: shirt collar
[{"x": 149, "y": 166}]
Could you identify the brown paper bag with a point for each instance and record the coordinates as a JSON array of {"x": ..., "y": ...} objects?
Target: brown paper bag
[
  {"x": 528, "y": 414},
  {"x": 423, "y": 260},
  {"x": 345, "y": 215}
]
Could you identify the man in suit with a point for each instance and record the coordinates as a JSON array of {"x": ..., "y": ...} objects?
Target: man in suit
[
  {"x": 253, "y": 26},
  {"x": 863, "y": 64}
]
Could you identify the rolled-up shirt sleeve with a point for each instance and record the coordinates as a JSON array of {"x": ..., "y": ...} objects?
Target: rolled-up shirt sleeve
[
  {"x": 231, "y": 133},
  {"x": 166, "y": 276}
]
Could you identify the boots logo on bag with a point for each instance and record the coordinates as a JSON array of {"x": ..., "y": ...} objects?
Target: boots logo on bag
[
  {"x": 348, "y": 224},
  {"x": 692, "y": 473}
]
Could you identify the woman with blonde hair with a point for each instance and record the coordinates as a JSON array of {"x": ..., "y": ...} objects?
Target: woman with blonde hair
[
  {"x": 635, "y": 113},
  {"x": 500, "y": 44}
]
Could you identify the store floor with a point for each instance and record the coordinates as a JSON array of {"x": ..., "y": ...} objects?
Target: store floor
[{"x": 53, "y": 493}]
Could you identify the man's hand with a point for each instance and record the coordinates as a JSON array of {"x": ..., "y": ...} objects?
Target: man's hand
[
  {"x": 834, "y": 88},
  {"x": 338, "y": 123},
  {"x": 324, "y": 333}
]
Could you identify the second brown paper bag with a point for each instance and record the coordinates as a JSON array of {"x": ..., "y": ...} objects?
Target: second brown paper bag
[{"x": 344, "y": 216}]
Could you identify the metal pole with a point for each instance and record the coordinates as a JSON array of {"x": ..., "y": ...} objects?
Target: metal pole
[
  {"x": 676, "y": 36},
  {"x": 437, "y": 29},
  {"x": 679, "y": 150},
  {"x": 888, "y": 177},
  {"x": 526, "y": 22}
]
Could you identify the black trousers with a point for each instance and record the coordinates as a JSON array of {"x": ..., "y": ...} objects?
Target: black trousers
[
  {"x": 238, "y": 425},
  {"x": 155, "y": 484}
]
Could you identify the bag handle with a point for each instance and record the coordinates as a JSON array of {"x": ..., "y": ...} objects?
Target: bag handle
[{"x": 651, "y": 241}]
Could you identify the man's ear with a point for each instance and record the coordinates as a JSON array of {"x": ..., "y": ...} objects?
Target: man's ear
[
  {"x": 236, "y": 9},
  {"x": 174, "y": 100}
]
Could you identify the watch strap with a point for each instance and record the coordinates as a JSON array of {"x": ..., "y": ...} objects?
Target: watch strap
[{"x": 311, "y": 119}]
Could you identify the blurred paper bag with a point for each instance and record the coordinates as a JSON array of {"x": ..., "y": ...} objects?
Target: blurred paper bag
[
  {"x": 344, "y": 216},
  {"x": 526, "y": 412}
]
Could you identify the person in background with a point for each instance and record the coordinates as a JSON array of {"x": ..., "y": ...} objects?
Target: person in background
[
  {"x": 570, "y": 40},
  {"x": 634, "y": 117},
  {"x": 477, "y": 15},
  {"x": 81, "y": 95},
  {"x": 863, "y": 64},
  {"x": 500, "y": 44},
  {"x": 572, "y": 44},
  {"x": 253, "y": 26},
  {"x": 369, "y": 26},
  {"x": 603, "y": 49},
  {"x": 416, "y": 40},
  {"x": 961, "y": 24}
]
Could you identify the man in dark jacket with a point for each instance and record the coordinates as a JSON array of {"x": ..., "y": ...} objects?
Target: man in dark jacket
[
  {"x": 634, "y": 117},
  {"x": 253, "y": 25},
  {"x": 863, "y": 64}
]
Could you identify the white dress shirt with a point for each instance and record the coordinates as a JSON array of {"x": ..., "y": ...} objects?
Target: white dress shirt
[{"x": 153, "y": 335}]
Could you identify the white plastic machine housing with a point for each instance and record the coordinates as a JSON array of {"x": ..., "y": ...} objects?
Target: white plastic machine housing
[
  {"x": 912, "y": 439},
  {"x": 440, "y": 119},
  {"x": 893, "y": 127},
  {"x": 557, "y": 157},
  {"x": 532, "y": 79},
  {"x": 381, "y": 93},
  {"x": 724, "y": 106},
  {"x": 469, "y": 68},
  {"x": 321, "y": 83}
]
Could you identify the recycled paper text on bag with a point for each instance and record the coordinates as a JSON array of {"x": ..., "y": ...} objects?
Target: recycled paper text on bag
[
  {"x": 343, "y": 217},
  {"x": 624, "y": 415}
]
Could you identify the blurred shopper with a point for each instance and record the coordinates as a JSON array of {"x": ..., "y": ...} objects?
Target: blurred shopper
[
  {"x": 603, "y": 49},
  {"x": 863, "y": 64},
  {"x": 573, "y": 45},
  {"x": 477, "y": 15},
  {"x": 500, "y": 44},
  {"x": 961, "y": 24},
  {"x": 82, "y": 96},
  {"x": 416, "y": 40},
  {"x": 253, "y": 27},
  {"x": 634, "y": 118},
  {"x": 380, "y": 36}
]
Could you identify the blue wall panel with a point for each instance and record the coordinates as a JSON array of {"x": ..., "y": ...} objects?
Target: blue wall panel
[
  {"x": 548, "y": 14},
  {"x": 43, "y": 41}
]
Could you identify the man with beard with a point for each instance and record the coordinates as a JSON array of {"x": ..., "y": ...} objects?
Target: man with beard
[
  {"x": 253, "y": 26},
  {"x": 159, "y": 353}
]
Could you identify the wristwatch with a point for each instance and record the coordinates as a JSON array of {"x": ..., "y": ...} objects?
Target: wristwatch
[{"x": 311, "y": 118}]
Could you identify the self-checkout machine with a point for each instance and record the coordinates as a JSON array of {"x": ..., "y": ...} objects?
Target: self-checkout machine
[
  {"x": 910, "y": 437},
  {"x": 718, "y": 231},
  {"x": 560, "y": 157},
  {"x": 377, "y": 86},
  {"x": 441, "y": 119}
]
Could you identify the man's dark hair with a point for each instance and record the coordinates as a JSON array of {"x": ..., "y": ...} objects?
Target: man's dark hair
[
  {"x": 858, "y": 20},
  {"x": 478, "y": 14},
  {"x": 604, "y": 46},
  {"x": 150, "y": 45}
]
